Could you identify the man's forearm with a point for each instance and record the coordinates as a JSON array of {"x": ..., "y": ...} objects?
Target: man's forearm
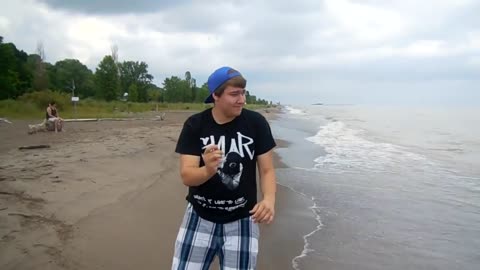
[
  {"x": 268, "y": 185},
  {"x": 192, "y": 176}
]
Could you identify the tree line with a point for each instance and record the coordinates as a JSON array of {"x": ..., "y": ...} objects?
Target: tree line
[{"x": 22, "y": 73}]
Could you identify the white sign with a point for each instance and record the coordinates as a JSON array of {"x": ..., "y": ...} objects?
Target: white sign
[{"x": 75, "y": 99}]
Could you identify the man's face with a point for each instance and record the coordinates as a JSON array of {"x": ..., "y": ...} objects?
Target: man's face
[{"x": 231, "y": 101}]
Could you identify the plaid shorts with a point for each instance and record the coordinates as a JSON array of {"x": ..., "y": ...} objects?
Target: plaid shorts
[{"x": 200, "y": 240}]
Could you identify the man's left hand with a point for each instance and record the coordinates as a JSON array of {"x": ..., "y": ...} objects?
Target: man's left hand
[{"x": 263, "y": 211}]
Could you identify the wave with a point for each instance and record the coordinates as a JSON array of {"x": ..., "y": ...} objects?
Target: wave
[
  {"x": 295, "y": 111},
  {"x": 348, "y": 150}
]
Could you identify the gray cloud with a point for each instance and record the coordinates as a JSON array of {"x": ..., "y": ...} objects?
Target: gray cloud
[
  {"x": 338, "y": 50},
  {"x": 111, "y": 6}
]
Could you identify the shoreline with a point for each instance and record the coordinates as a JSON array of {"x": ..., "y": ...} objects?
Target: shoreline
[
  {"x": 277, "y": 160},
  {"x": 105, "y": 191}
]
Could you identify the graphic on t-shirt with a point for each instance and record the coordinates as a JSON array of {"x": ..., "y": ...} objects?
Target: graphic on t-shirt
[{"x": 230, "y": 170}]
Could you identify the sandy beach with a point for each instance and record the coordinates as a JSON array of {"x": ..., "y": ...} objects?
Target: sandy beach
[{"x": 107, "y": 195}]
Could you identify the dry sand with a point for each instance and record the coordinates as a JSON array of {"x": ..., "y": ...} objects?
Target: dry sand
[{"x": 107, "y": 195}]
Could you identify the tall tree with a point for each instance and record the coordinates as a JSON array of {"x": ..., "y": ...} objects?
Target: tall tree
[
  {"x": 8, "y": 75},
  {"x": 155, "y": 93},
  {"x": 133, "y": 93},
  {"x": 70, "y": 72},
  {"x": 15, "y": 78},
  {"x": 40, "y": 77},
  {"x": 192, "y": 84},
  {"x": 251, "y": 99},
  {"x": 176, "y": 90},
  {"x": 106, "y": 79},
  {"x": 135, "y": 73},
  {"x": 114, "y": 49},
  {"x": 188, "y": 76},
  {"x": 202, "y": 93}
]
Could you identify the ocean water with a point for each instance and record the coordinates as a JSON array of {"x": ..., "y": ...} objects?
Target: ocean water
[{"x": 391, "y": 187}]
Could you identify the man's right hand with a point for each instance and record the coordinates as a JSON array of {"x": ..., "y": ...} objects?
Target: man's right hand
[{"x": 212, "y": 157}]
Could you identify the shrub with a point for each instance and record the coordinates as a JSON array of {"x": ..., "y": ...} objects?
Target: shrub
[{"x": 41, "y": 99}]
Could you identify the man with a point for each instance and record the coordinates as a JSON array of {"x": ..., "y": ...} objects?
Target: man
[
  {"x": 219, "y": 149},
  {"x": 53, "y": 117}
]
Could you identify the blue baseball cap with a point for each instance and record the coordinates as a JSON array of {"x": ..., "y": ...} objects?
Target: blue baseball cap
[{"x": 219, "y": 77}]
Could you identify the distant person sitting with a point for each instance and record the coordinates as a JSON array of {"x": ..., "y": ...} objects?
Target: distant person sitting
[{"x": 53, "y": 118}]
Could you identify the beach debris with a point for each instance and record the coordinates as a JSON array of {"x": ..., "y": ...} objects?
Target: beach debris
[
  {"x": 41, "y": 127},
  {"x": 39, "y": 146},
  {"x": 7, "y": 178},
  {"x": 160, "y": 117},
  {"x": 83, "y": 120},
  {"x": 22, "y": 196},
  {"x": 5, "y": 120}
]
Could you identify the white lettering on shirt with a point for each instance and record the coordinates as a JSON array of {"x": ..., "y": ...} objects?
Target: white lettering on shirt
[{"x": 241, "y": 144}]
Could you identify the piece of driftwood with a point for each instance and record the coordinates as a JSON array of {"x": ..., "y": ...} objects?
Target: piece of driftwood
[
  {"x": 34, "y": 147},
  {"x": 5, "y": 120},
  {"x": 160, "y": 117},
  {"x": 81, "y": 120},
  {"x": 43, "y": 126}
]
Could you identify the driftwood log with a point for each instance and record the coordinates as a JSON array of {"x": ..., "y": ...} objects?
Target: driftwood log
[
  {"x": 40, "y": 146},
  {"x": 5, "y": 120}
]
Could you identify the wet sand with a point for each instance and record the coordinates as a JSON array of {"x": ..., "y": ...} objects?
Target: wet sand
[{"x": 107, "y": 195}]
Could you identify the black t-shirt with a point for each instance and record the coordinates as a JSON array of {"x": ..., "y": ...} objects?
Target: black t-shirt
[{"x": 232, "y": 192}]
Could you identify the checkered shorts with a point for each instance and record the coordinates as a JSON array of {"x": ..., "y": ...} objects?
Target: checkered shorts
[{"x": 200, "y": 240}]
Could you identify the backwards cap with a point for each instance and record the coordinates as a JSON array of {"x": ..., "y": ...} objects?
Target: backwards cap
[{"x": 219, "y": 77}]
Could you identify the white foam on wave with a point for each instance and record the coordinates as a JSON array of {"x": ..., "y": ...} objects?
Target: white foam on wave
[
  {"x": 347, "y": 149},
  {"x": 306, "y": 246},
  {"x": 295, "y": 111}
]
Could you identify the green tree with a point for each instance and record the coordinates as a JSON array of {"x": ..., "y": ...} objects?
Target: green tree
[
  {"x": 155, "y": 93},
  {"x": 15, "y": 78},
  {"x": 202, "y": 93},
  {"x": 51, "y": 73},
  {"x": 250, "y": 98},
  {"x": 8, "y": 76},
  {"x": 192, "y": 84},
  {"x": 133, "y": 93},
  {"x": 71, "y": 72},
  {"x": 177, "y": 90},
  {"x": 188, "y": 76},
  {"x": 135, "y": 73},
  {"x": 107, "y": 79}
]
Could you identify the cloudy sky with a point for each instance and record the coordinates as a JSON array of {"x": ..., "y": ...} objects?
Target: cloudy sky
[{"x": 332, "y": 51}]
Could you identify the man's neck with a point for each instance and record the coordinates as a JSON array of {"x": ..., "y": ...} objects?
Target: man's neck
[{"x": 220, "y": 117}]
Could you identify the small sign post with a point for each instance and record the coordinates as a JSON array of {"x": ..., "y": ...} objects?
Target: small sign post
[
  {"x": 75, "y": 100},
  {"x": 125, "y": 98}
]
